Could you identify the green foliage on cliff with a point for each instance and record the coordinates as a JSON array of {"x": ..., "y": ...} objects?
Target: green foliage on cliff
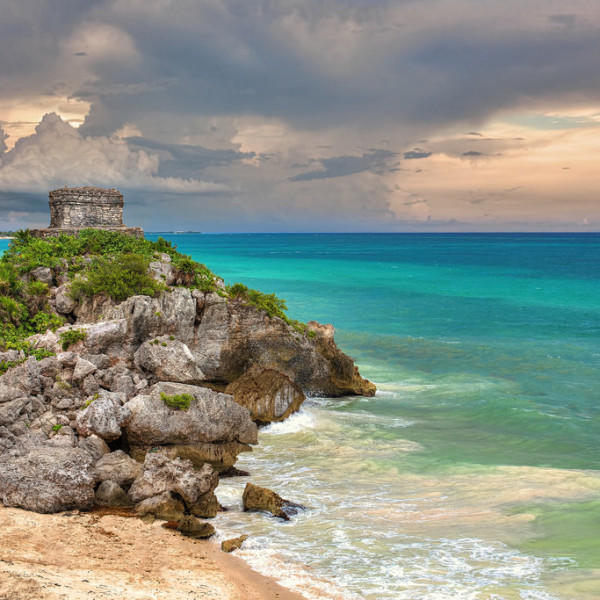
[
  {"x": 268, "y": 303},
  {"x": 118, "y": 277},
  {"x": 72, "y": 336},
  {"x": 99, "y": 262}
]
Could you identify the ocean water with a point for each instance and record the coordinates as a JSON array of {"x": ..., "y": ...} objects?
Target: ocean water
[{"x": 474, "y": 473}]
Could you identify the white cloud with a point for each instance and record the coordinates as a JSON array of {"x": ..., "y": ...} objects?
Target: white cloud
[{"x": 57, "y": 155}]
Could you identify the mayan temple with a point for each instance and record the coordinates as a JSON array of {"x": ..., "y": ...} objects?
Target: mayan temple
[{"x": 73, "y": 209}]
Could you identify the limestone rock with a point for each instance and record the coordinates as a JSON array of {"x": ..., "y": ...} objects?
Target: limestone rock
[
  {"x": 211, "y": 417},
  {"x": 233, "y": 544},
  {"x": 118, "y": 467},
  {"x": 192, "y": 527},
  {"x": 161, "y": 475},
  {"x": 104, "y": 416},
  {"x": 162, "y": 270},
  {"x": 83, "y": 368},
  {"x": 95, "y": 446},
  {"x": 110, "y": 493},
  {"x": 219, "y": 455},
  {"x": 263, "y": 499},
  {"x": 43, "y": 274},
  {"x": 164, "y": 506},
  {"x": 10, "y": 411},
  {"x": 267, "y": 394},
  {"x": 47, "y": 479},
  {"x": 233, "y": 336},
  {"x": 168, "y": 360},
  {"x": 102, "y": 335},
  {"x": 64, "y": 304},
  {"x": 170, "y": 314}
]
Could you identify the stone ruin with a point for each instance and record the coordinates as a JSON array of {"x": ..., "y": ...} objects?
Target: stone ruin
[{"x": 74, "y": 209}]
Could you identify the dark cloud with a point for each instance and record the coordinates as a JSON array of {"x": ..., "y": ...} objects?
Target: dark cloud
[
  {"x": 340, "y": 166},
  {"x": 185, "y": 160},
  {"x": 473, "y": 154},
  {"x": 417, "y": 153}
]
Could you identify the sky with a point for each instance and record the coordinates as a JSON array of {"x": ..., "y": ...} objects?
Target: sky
[{"x": 305, "y": 115}]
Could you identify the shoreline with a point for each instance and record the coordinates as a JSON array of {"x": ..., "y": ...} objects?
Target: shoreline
[{"x": 76, "y": 555}]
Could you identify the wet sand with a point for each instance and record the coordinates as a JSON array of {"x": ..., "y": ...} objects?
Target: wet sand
[{"x": 73, "y": 555}]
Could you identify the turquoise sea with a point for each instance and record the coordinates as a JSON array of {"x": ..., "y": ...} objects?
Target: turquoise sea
[{"x": 475, "y": 472}]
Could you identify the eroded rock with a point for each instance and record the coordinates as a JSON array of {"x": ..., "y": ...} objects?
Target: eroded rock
[
  {"x": 267, "y": 394},
  {"x": 47, "y": 479},
  {"x": 256, "y": 498}
]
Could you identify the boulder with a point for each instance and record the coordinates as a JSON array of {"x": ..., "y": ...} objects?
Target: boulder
[
  {"x": 267, "y": 394},
  {"x": 256, "y": 498},
  {"x": 162, "y": 474},
  {"x": 164, "y": 506},
  {"x": 168, "y": 360},
  {"x": 118, "y": 467},
  {"x": 63, "y": 302},
  {"x": 162, "y": 270},
  {"x": 43, "y": 274},
  {"x": 190, "y": 526},
  {"x": 110, "y": 493},
  {"x": 211, "y": 417},
  {"x": 104, "y": 334},
  {"x": 24, "y": 377},
  {"x": 83, "y": 368},
  {"x": 233, "y": 544},
  {"x": 10, "y": 411},
  {"x": 47, "y": 479},
  {"x": 95, "y": 446},
  {"x": 104, "y": 416}
]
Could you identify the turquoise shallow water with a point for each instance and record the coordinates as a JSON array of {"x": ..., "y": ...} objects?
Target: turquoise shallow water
[{"x": 474, "y": 472}]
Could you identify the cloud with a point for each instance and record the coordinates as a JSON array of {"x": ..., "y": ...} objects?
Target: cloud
[
  {"x": 416, "y": 154},
  {"x": 57, "y": 155},
  {"x": 341, "y": 166}
]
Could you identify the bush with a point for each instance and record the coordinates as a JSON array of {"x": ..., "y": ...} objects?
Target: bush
[
  {"x": 72, "y": 336},
  {"x": 119, "y": 278},
  {"x": 178, "y": 401}
]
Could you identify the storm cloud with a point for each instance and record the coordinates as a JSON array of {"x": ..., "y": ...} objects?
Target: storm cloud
[{"x": 213, "y": 105}]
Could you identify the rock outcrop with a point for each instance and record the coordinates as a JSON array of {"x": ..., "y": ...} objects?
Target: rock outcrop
[
  {"x": 144, "y": 401},
  {"x": 256, "y": 498}
]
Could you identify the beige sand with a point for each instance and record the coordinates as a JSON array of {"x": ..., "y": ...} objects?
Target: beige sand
[{"x": 73, "y": 556}]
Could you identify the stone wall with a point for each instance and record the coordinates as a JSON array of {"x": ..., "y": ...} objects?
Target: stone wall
[
  {"x": 73, "y": 209},
  {"x": 86, "y": 207}
]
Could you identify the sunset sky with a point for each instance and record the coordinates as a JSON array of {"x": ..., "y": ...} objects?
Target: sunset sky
[{"x": 305, "y": 115}]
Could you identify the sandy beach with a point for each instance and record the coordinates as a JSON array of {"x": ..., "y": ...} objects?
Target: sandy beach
[{"x": 75, "y": 555}]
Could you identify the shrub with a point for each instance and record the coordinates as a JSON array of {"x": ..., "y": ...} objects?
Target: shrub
[
  {"x": 72, "y": 336},
  {"x": 178, "y": 401},
  {"x": 11, "y": 311},
  {"x": 43, "y": 321},
  {"x": 119, "y": 278}
]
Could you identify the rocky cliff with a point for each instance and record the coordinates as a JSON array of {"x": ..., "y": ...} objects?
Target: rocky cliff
[{"x": 141, "y": 402}]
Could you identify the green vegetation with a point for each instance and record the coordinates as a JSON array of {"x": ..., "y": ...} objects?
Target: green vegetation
[
  {"x": 72, "y": 336},
  {"x": 98, "y": 262},
  {"x": 268, "y": 303},
  {"x": 178, "y": 401},
  {"x": 118, "y": 278},
  {"x": 56, "y": 428}
]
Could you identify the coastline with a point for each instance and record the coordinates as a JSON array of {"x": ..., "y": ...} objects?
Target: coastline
[{"x": 76, "y": 555}]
